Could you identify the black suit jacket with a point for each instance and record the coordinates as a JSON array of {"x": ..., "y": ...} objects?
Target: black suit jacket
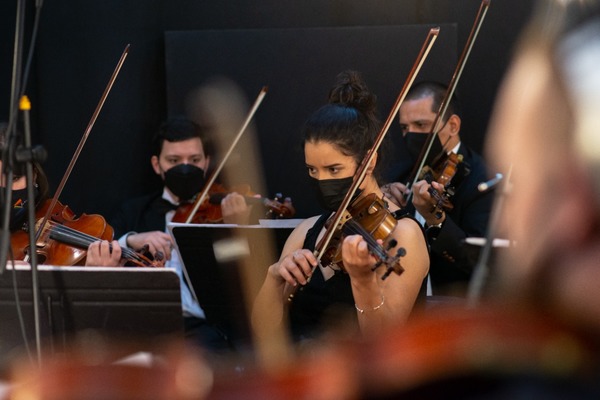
[
  {"x": 451, "y": 262},
  {"x": 147, "y": 213},
  {"x": 141, "y": 214}
]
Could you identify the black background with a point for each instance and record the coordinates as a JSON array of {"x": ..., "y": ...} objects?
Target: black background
[{"x": 80, "y": 42}]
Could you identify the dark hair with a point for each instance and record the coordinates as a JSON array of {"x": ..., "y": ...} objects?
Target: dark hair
[
  {"x": 178, "y": 129},
  {"x": 41, "y": 178},
  {"x": 438, "y": 91},
  {"x": 349, "y": 121}
]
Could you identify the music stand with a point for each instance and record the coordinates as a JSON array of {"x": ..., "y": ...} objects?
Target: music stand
[
  {"x": 131, "y": 305},
  {"x": 225, "y": 265}
]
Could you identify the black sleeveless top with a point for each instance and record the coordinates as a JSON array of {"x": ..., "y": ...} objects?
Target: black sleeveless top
[{"x": 322, "y": 304}]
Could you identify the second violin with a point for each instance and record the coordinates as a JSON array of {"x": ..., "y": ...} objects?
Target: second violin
[{"x": 210, "y": 211}]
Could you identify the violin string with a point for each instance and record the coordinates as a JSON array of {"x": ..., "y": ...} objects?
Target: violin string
[
  {"x": 85, "y": 240},
  {"x": 354, "y": 227},
  {"x": 377, "y": 250}
]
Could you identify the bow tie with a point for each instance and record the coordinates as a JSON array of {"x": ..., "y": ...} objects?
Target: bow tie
[{"x": 164, "y": 205}]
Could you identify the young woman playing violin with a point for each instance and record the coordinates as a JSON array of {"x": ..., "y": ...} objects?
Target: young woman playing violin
[{"x": 336, "y": 139}]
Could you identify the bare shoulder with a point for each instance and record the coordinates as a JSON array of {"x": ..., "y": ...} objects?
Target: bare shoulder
[
  {"x": 409, "y": 226},
  {"x": 304, "y": 226},
  {"x": 409, "y": 235}
]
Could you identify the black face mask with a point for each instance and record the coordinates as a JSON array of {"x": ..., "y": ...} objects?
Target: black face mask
[
  {"x": 416, "y": 141},
  {"x": 184, "y": 180},
  {"x": 331, "y": 192}
]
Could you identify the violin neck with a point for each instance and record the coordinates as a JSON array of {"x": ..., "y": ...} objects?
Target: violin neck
[
  {"x": 71, "y": 237},
  {"x": 75, "y": 238},
  {"x": 216, "y": 199}
]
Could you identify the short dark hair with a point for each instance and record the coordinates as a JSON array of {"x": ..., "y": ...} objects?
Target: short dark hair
[
  {"x": 178, "y": 129},
  {"x": 437, "y": 91}
]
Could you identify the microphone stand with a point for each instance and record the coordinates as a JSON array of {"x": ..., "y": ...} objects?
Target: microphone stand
[
  {"x": 481, "y": 271},
  {"x": 29, "y": 156},
  {"x": 10, "y": 135},
  {"x": 12, "y": 155}
]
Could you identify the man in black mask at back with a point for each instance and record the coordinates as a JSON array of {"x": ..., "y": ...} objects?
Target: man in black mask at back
[
  {"x": 181, "y": 157},
  {"x": 446, "y": 229}
]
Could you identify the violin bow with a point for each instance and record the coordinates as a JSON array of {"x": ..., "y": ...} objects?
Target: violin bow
[
  {"x": 213, "y": 177},
  {"x": 362, "y": 169},
  {"x": 82, "y": 141},
  {"x": 414, "y": 176}
]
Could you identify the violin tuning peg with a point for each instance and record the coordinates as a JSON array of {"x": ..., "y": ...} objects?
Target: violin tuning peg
[
  {"x": 401, "y": 252},
  {"x": 377, "y": 265},
  {"x": 387, "y": 273},
  {"x": 393, "y": 243}
]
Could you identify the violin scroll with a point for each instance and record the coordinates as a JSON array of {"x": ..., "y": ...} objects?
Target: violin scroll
[
  {"x": 143, "y": 258},
  {"x": 279, "y": 207}
]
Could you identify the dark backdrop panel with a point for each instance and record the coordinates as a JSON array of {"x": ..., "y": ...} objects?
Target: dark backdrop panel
[
  {"x": 299, "y": 66},
  {"x": 80, "y": 41}
]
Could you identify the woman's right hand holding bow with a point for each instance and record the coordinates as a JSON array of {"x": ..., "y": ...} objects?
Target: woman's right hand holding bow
[{"x": 295, "y": 267}]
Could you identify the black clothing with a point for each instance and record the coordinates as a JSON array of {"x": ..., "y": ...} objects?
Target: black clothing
[
  {"x": 141, "y": 214},
  {"x": 451, "y": 266},
  {"x": 145, "y": 214},
  {"x": 320, "y": 303}
]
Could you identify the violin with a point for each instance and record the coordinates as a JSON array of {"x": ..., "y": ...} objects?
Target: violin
[
  {"x": 370, "y": 218},
  {"x": 209, "y": 212},
  {"x": 64, "y": 238},
  {"x": 190, "y": 213},
  {"x": 448, "y": 170}
]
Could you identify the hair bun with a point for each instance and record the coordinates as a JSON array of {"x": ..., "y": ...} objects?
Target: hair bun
[{"x": 351, "y": 91}]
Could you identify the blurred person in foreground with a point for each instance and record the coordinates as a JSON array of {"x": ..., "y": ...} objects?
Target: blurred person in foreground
[{"x": 546, "y": 127}]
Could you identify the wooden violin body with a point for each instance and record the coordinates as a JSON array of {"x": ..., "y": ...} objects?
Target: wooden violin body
[
  {"x": 369, "y": 217},
  {"x": 207, "y": 212},
  {"x": 64, "y": 238},
  {"x": 58, "y": 252}
]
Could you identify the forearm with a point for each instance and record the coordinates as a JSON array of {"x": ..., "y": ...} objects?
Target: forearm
[
  {"x": 269, "y": 324},
  {"x": 370, "y": 304},
  {"x": 269, "y": 307}
]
